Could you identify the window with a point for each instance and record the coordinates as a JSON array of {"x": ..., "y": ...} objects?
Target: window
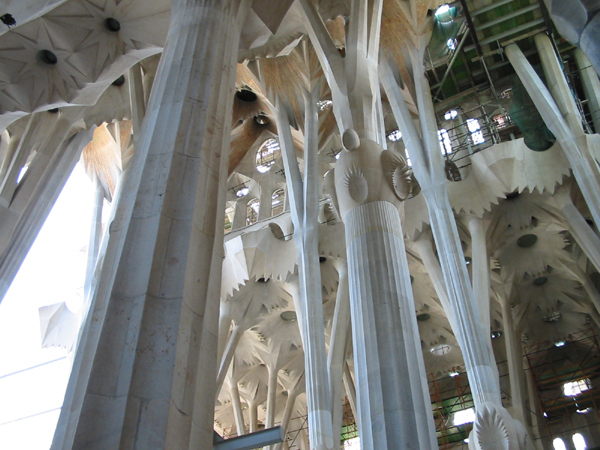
[
  {"x": 352, "y": 444},
  {"x": 440, "y": 350},
  {"x": 464, "y": 416},
  {"x": 559, "y": 444},
  {"x": 407, "y": 158},
  {"x": 451, "y": 44},
  {"x": 277, "y": 202},
  {"x": 475, "y": 129},
  {"x": 394, "y": 136},
  {"x": 445, "y": 143},
  {"x": 573, "y": 388},
  {"x": 500, "y": 121},
  {"x": 579, "y": 442},
  {"x": 241, "y": 191},
  {"x": 452, "y": 114},
  {"x": 252, "y": 211},
  {"x": 267, "y": 154}
]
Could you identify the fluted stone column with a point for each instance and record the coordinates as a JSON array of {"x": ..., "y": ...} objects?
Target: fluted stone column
[
  {"x": 392, "y": 395},
  {"x": 428, "y": 166},
  {"x": 125, "y": 395},
  {"x": 304, "y": 208}
]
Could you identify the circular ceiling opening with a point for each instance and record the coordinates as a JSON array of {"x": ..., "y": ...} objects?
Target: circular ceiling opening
[
  {"x": 423, "y": 317},
  {"x": 289, "y": 316},
  {"x": 47, "y": 57},
  {"x": 527, "y": 240},
  {"x": 539, "y": 281},
  {"x": 551, "y": 317},
  {"x": 246, "y": 95},
  {"x": 261, "y": 119},
  {"x": 112, "y": 24},
  {"x": 119, "y": 81},
  {"x": 440, "y": 350}
]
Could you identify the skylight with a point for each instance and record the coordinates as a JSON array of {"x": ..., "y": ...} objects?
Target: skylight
[
  {"x": 476, "y": 133},
  {"x": 464, "y": 416},
  {"x": 573, "y": 388}
]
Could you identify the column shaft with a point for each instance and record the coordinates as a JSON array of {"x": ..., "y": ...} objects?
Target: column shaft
[{"x": 393, "y": 398}]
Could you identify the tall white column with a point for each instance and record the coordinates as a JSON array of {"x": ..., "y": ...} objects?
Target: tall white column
[
  {"x": 428, "y": 166},
  {"x": 21, "y": 221},
  {"x": 393, "y": 404},
  {"x": 580, "y": 230},
  {"x": 128, "y": 386},
  {"x": 304, "y": 207},
  {"x": 336, "y": 358}
]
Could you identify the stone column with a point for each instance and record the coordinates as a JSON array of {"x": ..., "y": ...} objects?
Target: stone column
[
  {"x": 580, "y": 230},
  {"x": 336, "y": 358},
  {"x": 304, "y": 208},
  {"x": 514, "y": 355},
  {"x": 568, "y": 133},
  {"x": 591, "y": 86},
  {"x": 127, "y": 389},
  {"x": 428, "y": 166},
  {"x": 21, "y": 221},
  {"x": 392, "y": 395}
]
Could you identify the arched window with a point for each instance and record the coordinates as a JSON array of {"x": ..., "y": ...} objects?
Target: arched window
[
  {"x": 229, "y": 211},
  {"x": 277, "y": 201},
  {"x": 559, "y": 444},
  {"x": 252, "y": 211},
  {"x": 267, "y": 154},
  {"x": 579, "y": 442}
]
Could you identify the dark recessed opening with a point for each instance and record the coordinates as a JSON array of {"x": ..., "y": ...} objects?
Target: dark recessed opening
[
  {"x": 539, "y": 281},
  {"x": 423, "y": 317},
  {"x": 246, "y": 95},
  {"x": 527, "y": 240},
  {"x": 262, "y": 280},
  {"x": 468, "y": 260},
  {"x": 590, "y": 222},
  {"x": 261, "y": 119},
  {"x": 322, "y": 259},
  {"x": 412, "y": 279},
  {"x": 8, "y": 20},
  {"x": 47, "y": 57},
  {"x": 112, "y": 25},
  {"x": 119, "y": 81},
  {"x": 512, "y": 195},
  {"x": 53, "y": 110}
]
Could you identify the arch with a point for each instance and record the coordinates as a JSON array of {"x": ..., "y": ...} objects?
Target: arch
[{"x": 277, "y": 201}]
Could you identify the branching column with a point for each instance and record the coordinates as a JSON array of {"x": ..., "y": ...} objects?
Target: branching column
[
  {"x": 558, "y": 113},
  {"x": 428, "y": 165},
  {"x": 393, "y": 399},
  {"x": 304, "y": 207}
]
